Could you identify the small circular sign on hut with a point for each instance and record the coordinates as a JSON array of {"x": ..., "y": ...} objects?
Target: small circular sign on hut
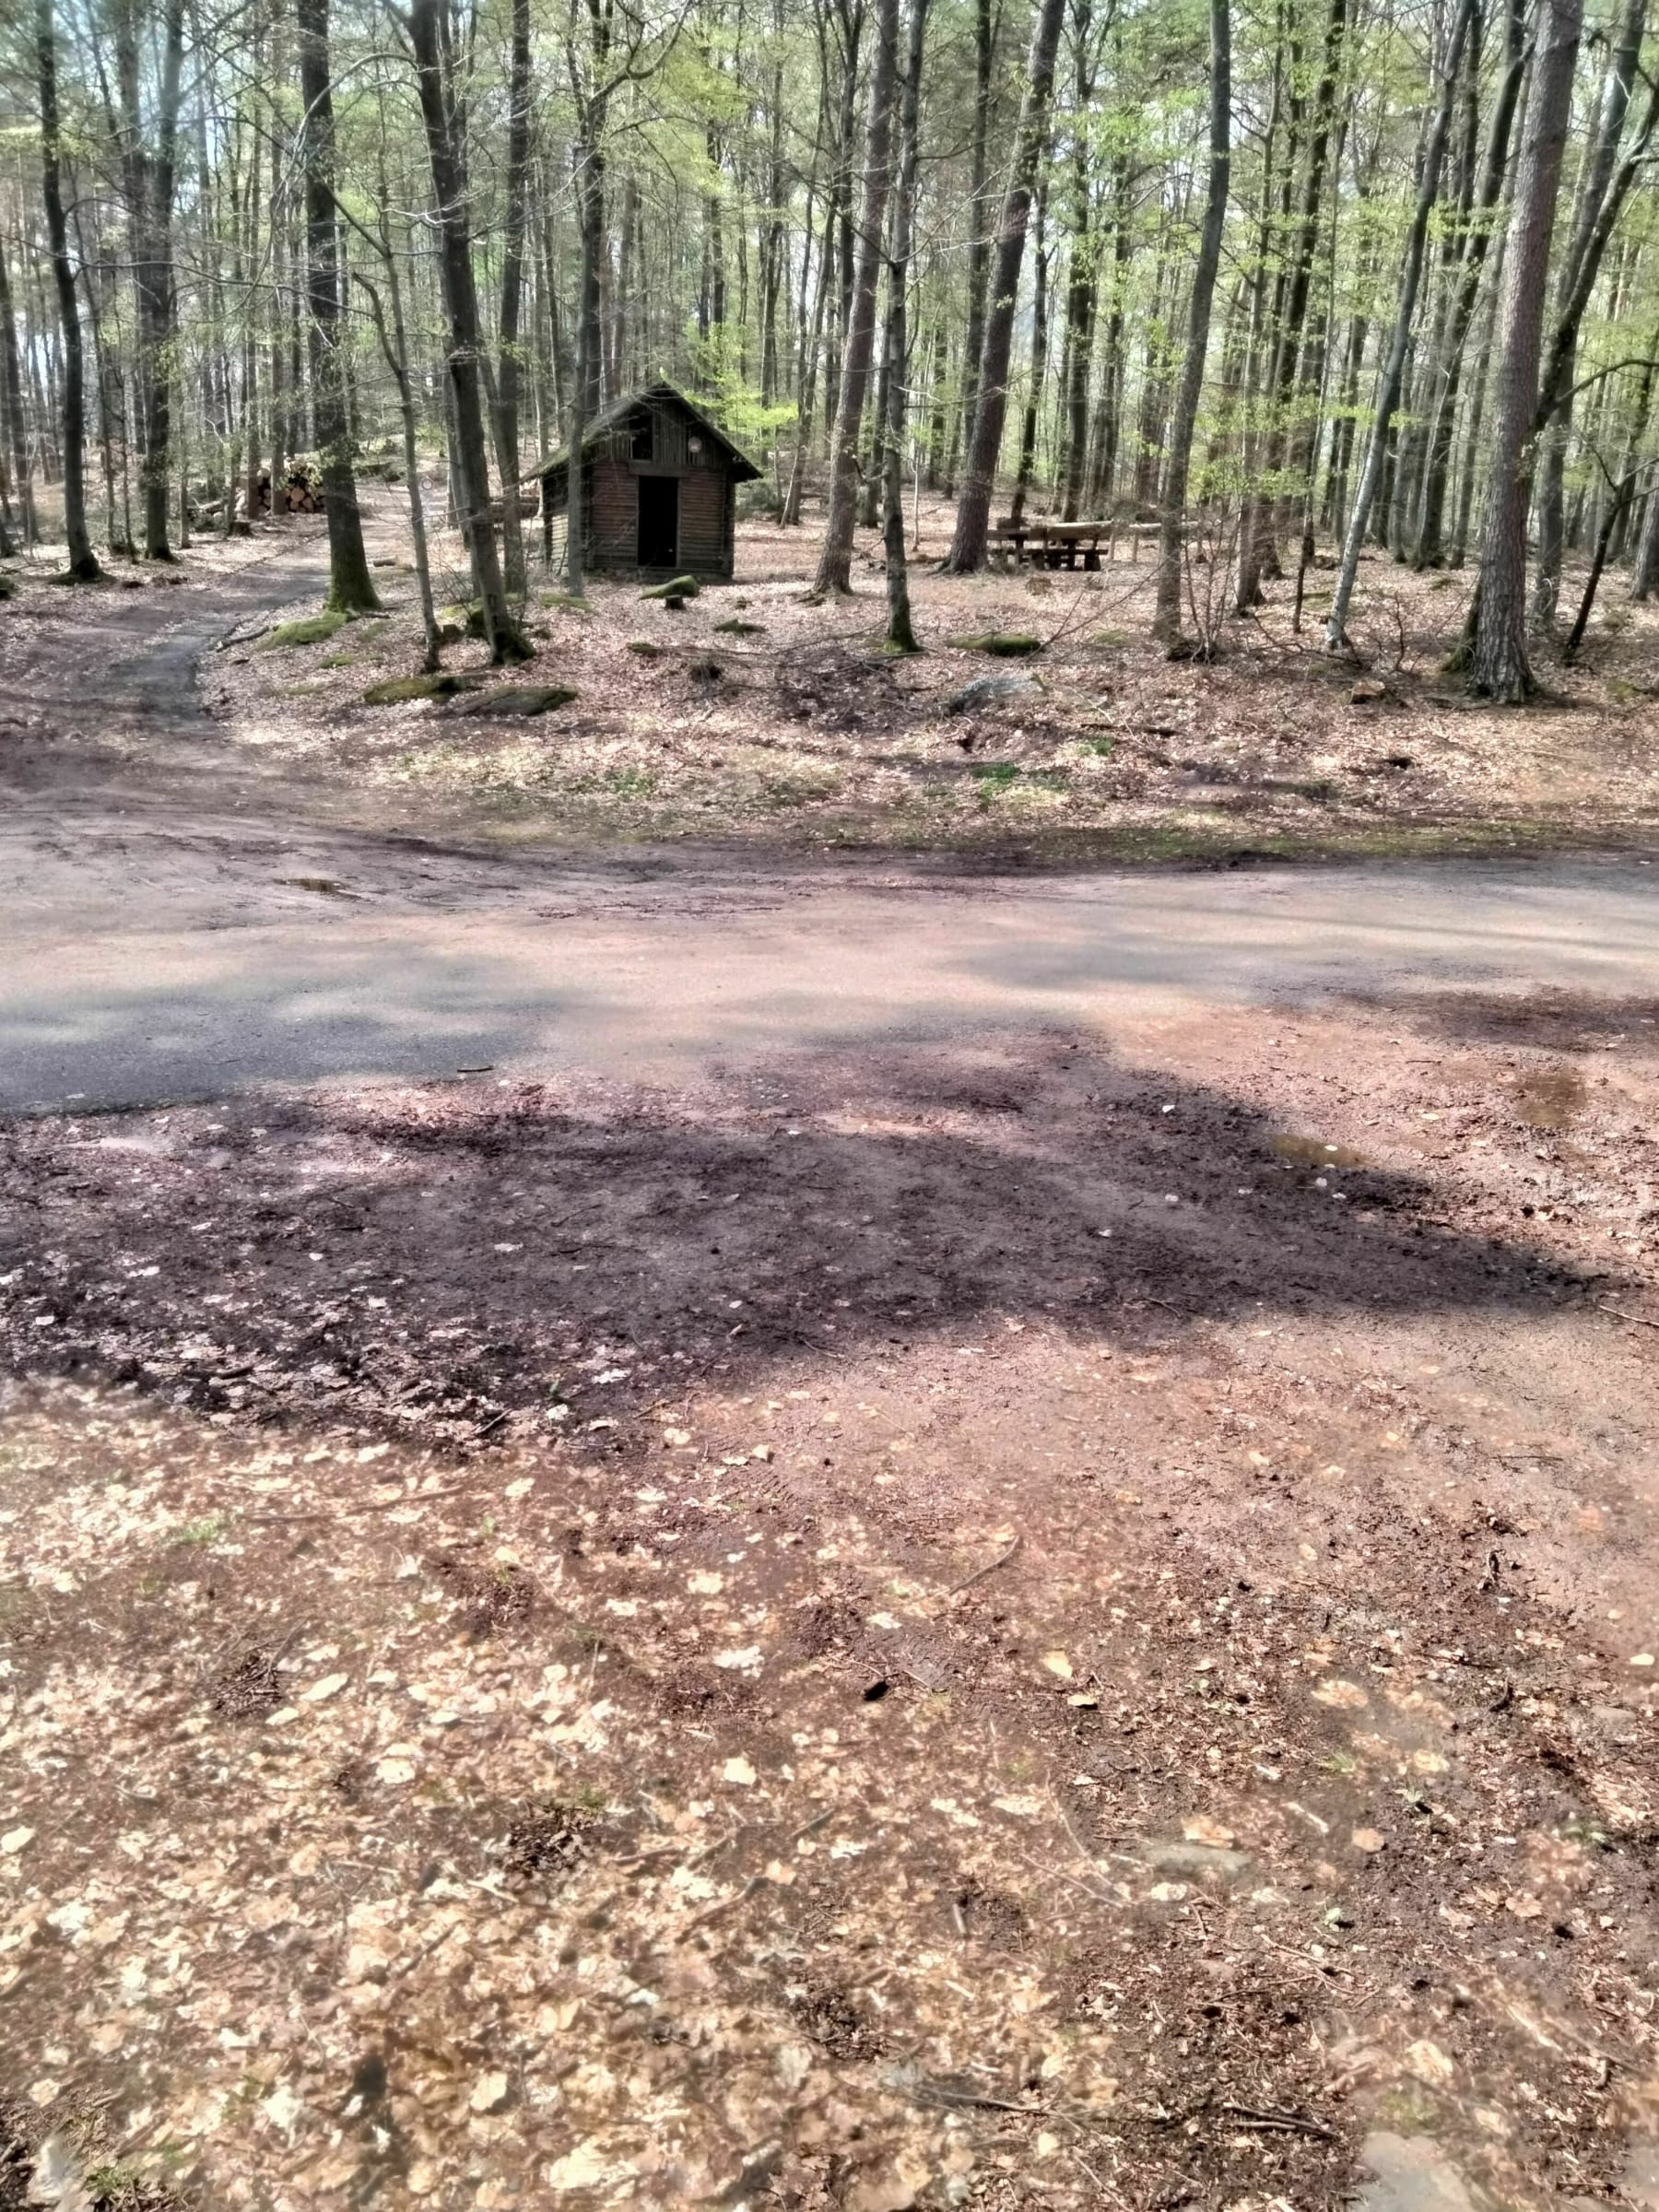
[{"x": 659, "y": 490}]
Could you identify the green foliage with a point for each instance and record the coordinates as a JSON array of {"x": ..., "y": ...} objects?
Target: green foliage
[
  {"x": 996, "y": 778},
  {"x": 722, "y": 389}
]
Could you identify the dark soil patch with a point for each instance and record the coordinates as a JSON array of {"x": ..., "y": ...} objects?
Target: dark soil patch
[
  {"x": 248, "y": 1688},
  {"x": 543, "y": 1841},
  {"x": 837, "y": 2020},
  {"x": 492, "y": 1594}
]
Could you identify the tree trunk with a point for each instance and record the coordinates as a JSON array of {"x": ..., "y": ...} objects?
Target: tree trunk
[
  {"x": 1040, "y": 341},
  {"x": 1624, "y": 494},
  {"x": 1498, "y": 663},
  {"x": 938, "y": 422},
  {"x": 149, "y": 186},
  {"x": 350, "y": 587},
  {"x": 1258, "y": 554},
  {"x": 991, "y": 403},
  {"x": 507, "y": 460},
  {"x": 1166, "y": 623},
  {"x": 1393, "y": 371},
  {"x": 1080, "y": 281},
  {"x": 979, "y": 215},
  {"x": 395, "y": 345},
  {"x": 835, "y": 565},
  {"x": 1105, "y": 437},
  {"x": 11, "y": 393},
  {"x": 870, "y": 490},
  {"x": 1430, "y": 548},
  {"x": 461, "y": 312},
  {"x": 589, "y": 163},
  {"x": 902, "y": 635},
  {"x": 1601, "y": 196},
  {"x": 1644, "y": 569},
  {"x": 83, "y": 561}
]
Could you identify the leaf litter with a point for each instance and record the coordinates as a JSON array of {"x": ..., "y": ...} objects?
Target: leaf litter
[{"x": 408, "y": 1792}]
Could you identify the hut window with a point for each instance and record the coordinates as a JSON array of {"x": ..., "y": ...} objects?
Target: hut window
[{"x": 640, "y": 432}]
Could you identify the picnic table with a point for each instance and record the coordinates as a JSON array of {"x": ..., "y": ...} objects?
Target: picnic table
[
  {"x": 1054, "y": 544},
  {"x": 1058, "y": 544}
]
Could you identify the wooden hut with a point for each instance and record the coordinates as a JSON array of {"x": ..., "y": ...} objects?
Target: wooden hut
[{"x": 659, "y": 490}]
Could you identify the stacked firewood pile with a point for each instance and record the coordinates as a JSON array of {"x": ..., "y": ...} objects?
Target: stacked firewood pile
[{"x": 299, "y": 492}]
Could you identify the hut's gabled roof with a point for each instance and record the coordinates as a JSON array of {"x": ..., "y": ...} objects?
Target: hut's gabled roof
[{"x": 615, "y": 416}]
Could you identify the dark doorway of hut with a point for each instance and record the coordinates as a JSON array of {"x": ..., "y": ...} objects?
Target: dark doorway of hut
[{"x": 659, "y": 521}]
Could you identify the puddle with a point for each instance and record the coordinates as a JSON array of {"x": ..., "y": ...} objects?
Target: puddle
[
  {"x": 1312, "y": 1152},
  {"x": 1551, "y": 1097}
]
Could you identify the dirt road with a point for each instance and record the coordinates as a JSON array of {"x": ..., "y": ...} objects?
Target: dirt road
[
  {"x": 176, "y": 927},
  {"x": 284, "y": 969},
  {"x": 941, "y": 1541}
]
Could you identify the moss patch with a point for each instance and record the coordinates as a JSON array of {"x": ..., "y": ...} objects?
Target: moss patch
[
  {"x": 677, "y": 587},
  {"x": 735, "y": 627},
  {"x": 311, "y": 629},
  {"x": 396, "y": 691},
  {"x": 1004, "y": 645}
]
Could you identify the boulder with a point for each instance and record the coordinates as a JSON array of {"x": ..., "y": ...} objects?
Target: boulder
[{"x": 989, "y": 692}]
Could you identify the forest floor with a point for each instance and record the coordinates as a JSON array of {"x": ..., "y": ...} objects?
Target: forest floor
[
  {"x": 792, "y": 731},
  {"x": 968, "y": 1594}
]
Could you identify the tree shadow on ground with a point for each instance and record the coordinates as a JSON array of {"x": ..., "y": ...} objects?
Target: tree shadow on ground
[
  {"x": 1545, "y": 1019},
  {"x": 449, "y": 1263}
]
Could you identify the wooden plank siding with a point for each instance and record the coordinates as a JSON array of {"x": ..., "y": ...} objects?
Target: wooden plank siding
[
  {"x": 613, "y": 515},
  {"x": 702, "y": 546}
]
